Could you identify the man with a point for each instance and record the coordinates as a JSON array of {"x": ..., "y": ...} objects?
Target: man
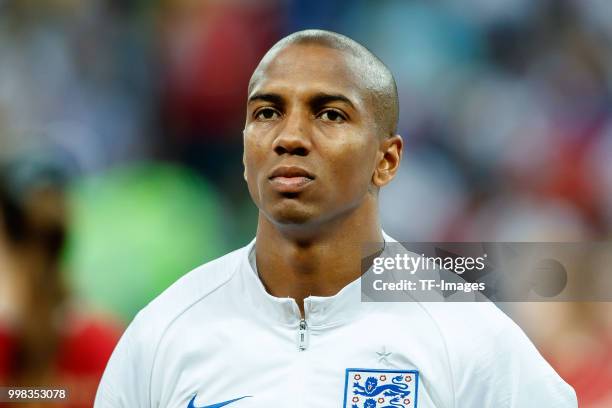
[{"x": 280, "y": 323}]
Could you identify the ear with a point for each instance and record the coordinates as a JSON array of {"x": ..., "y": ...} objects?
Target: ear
[
  {"x": 389, "y": 157},
  {"x": 244, "y": 173}
]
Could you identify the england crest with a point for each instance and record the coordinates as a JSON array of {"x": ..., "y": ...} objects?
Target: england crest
[{"x": 364, "y": 388}]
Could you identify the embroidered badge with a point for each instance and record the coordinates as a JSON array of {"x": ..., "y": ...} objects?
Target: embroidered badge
[{"x": 366, "y": 388}]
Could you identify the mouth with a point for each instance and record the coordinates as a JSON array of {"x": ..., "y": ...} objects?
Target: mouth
[{"x": 290, "y": 179}]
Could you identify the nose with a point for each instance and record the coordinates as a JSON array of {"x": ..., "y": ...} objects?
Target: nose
[{"x": 293, "y": 138}]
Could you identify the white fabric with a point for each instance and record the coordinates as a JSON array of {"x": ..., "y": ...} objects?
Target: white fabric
[{"x": 218, "y": 335}]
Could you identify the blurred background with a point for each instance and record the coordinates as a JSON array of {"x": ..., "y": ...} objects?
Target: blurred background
[{"x": 121, "y": 141}]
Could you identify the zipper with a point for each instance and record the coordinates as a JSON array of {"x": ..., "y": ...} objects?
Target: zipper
[{"x": 302, "y": 340}]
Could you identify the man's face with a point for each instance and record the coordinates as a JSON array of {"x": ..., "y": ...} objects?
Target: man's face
[{"x": 310, "y": 141}]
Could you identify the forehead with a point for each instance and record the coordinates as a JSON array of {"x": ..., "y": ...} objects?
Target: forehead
[{"x": 304, "y": 68}]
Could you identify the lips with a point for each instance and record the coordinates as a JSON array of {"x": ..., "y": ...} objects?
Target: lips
[{"x": 290, "y": 179}]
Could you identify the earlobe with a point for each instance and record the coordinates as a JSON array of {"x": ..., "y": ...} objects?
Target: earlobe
[
  {"x": 244, "y": 166},
  {"x": 244, "y": 173},
  {"x": 389, "y": 158}
]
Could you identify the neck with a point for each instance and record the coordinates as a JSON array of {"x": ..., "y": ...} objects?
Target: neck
[{"x": 299, "y": 262}]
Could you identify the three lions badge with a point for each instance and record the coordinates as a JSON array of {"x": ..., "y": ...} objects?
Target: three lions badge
[{"x": 380, "y": 388}]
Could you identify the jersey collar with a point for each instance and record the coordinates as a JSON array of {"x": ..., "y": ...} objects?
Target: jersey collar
[{"x": 320, "y": 311}]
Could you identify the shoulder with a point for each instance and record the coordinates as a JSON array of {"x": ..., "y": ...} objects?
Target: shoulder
[
  {"x": 478, "y": 333},
  {"x": 150, "y": 324},
  {"x": 471, "y": 331},
  {"x": 190, "y": 289},
  {"x": 468, "y": 321},
  {"x": 493, "y": 360},
  {"x": 127, "y": 378}
]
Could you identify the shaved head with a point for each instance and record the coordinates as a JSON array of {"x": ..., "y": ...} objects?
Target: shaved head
[{"x": 374, "y": 76}]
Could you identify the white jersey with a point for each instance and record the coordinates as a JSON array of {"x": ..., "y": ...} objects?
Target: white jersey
[{"x": 216, "y": 338}]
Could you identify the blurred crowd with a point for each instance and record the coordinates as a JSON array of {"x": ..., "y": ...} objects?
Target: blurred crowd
[{"x": 121, "y": 122}]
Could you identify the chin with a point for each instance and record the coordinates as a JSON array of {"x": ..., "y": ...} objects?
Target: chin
[
  {"x": 291, "y": 218},
  {"x": 291, "y": 213}
]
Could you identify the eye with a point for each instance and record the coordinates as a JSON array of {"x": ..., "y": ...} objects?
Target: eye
[
  {"x": 266, "y": 114},
  {"x": 332, "y": 115}
]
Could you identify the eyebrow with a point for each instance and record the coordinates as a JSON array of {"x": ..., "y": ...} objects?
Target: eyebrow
[
  {"x": 317, "y": 100},
  {"x": 323, "y": 98},
  {"x": 267, "y": 97}
]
